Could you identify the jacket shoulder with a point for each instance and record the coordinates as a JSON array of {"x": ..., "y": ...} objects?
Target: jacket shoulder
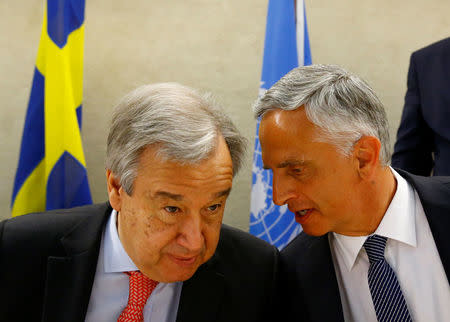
[
  {"x": 430, "y": 189},
  {"x": 303, "y": 249},
  {"x": 231, "y": 233},
  {"x": 439, "y": 48},
  {"x": 240, "y": 243},
  {"x": 42, "y": 230},
  {"x": 434, "y": 195},
  {"x": 303, "y": 243}
]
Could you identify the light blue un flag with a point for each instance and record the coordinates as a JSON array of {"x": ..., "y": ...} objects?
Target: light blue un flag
[{"x": 286, "y": 46}]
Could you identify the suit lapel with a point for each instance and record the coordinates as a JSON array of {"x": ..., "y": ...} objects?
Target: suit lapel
[
  {"x": 201, "y": 295},
  {"x": 70, "y": 278},
  {"x": 434, "y": 194},
  {"x": 68, "y": 288}
]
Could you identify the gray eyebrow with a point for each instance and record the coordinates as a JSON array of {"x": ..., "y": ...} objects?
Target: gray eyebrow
[
  {"x": 223, "y": 193},
  {"x": 286, "y": 163},
  {"x": 168, "y": 195},
  {"x": 178, "y": 197}
]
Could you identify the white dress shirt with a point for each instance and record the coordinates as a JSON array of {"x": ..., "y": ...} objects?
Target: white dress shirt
[
  {"x": 109, "y": 294},
  {"x": 410, "y": 251}
]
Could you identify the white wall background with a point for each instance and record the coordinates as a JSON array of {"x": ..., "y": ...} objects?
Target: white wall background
[{"x": 213, "y": 45}]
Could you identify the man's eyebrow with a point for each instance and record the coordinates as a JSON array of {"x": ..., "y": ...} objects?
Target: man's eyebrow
[
  {"x": 222, "y": 193},
  {"x": 290, "y": 163},
  {"x": 177, "y": 197},
  {"x": 165, "y": 194},
  {"x": 287, "y": 163}
]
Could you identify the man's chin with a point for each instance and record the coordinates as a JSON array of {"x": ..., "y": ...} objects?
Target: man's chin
[
  {"x": 179, "y": 276},
  {"x": 314, "y": 231},
  {"x": 178, "y": 273}
]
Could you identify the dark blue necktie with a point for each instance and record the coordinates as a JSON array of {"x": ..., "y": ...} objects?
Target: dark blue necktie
[{"x": 387, "y": 297}]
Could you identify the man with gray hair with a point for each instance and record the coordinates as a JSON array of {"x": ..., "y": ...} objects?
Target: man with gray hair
[
  {"x": 375, "y": 242},
  {"x": 158, "y": 250}
]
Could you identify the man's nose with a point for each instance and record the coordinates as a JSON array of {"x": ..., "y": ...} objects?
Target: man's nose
[
  {"x": 282, "y": 190},
  {"x": 191, "y": 233}
]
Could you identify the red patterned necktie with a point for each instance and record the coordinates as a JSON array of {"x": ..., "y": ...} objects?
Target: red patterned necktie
[{"x": 140, "y": 289}]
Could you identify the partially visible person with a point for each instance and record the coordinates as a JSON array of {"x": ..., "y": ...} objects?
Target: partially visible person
[
  {"x": 375, "y": 243},
  {"x": 423, "y": 137},
  {"x": 158, "y": 251}
]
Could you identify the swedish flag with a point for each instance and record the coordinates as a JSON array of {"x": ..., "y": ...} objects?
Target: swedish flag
[{"x": 52, "y": 170}]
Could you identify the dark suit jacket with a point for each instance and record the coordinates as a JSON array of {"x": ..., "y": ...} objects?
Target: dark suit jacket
[
  {"x": 310, "y": 291},
  {"x": 48, "y": 262},
  {"x": 424, "y": 128}
]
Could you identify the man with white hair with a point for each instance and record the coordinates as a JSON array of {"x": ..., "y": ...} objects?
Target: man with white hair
[
  {"x": 158, "y": 251},
  {"x": 375, "y": 242}
]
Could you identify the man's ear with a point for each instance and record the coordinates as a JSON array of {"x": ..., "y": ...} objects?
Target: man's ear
[
  {"x": 115, "y": 190},
  {"x": 366, "y": 153}
]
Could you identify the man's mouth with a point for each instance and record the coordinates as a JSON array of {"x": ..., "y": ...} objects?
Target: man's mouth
[
  {"x": 183, "y": 260},
  {"x": 303, "y": 215}
]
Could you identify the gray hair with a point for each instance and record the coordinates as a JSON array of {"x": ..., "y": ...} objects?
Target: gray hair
[
  {"x": 182, "y": 123},
  {"x": 340, "y": 104}
]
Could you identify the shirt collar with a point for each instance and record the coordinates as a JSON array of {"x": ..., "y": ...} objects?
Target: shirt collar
[
  {"x": 115, "y": 257},
  {"x": 398, "y": 223}
]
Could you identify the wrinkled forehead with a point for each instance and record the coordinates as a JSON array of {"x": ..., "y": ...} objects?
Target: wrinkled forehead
[
  {"x": 214, "y": 147},
  {"x": 218, "y": 165}
]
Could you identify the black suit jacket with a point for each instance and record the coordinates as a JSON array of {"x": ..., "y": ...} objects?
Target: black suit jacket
[
  {"x": 424, "y": 128},
  {"x": 309, "y": 290},
  {"x": 48, "y": 263}
]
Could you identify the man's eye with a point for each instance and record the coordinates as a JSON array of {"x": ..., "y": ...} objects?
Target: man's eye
[
  {"x": 171, "y": 209},
  {"x": 214, "y": 207},
  {"x": 296, "y": 170}
]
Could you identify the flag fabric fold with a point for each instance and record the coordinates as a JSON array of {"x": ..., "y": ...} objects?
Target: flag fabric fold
[
  {"x": 51, "y": 172},
  {"x": 286, "y": 46}
]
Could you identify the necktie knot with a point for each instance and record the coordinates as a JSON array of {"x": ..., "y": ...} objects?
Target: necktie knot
[
  {"x": 140, "y": 289},
  {"x": 375, "y": 246}
]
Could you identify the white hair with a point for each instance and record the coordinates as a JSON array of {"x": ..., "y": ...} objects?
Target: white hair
[
  {"x": 182, "y": 123},
  {"x": 340, "y": 104}
]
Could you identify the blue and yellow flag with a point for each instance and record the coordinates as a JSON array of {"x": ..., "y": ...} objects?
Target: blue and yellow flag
[
  {"x": 286, "y": 46},
  {"x": 52, "y": 170}
]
